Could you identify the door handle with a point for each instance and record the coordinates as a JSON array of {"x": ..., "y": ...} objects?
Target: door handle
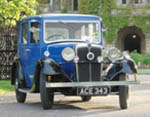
[{"x": 27, "y": 50}]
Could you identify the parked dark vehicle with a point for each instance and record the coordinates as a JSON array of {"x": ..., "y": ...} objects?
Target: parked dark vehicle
[{"x": 64, "y": 53}]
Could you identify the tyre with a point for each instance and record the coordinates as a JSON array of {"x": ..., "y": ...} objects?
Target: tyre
[
  {"x": 20, "y": 96},
  {"x": 86, "y": 98},
  {"x": 123, "y": 93},
  {"x": 46, "y": 94}
]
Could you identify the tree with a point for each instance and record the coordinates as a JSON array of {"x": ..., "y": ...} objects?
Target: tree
[{"x": 11, "y": 11}]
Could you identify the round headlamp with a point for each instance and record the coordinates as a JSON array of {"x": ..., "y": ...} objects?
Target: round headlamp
[
  {"x": 68, "y": 54},
  {"x": 113, "y": 54}
]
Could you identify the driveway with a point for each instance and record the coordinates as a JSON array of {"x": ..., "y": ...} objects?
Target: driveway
[{"x": 73, "y": 107}]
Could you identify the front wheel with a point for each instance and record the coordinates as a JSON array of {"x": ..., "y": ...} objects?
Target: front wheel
[
  {"x": 123, "y": 93},
  {"x": 46, "y": 94},
  {"x": 86, "y": 98}
]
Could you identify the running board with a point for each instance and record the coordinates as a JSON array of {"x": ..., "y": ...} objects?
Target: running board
[
  {"x": 29, "y": 91},
  {"x": 90, "y": 84}
]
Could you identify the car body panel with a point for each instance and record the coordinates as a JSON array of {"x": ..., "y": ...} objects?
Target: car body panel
[{"x": 30, "y": 54}]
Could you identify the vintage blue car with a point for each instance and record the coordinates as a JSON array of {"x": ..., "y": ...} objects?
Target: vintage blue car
[{"x": 64, "y": 53}]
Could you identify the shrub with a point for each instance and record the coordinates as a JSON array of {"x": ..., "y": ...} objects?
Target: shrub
[
  {"x": 143, "y": 59},
  {"x": 137, "y": 57},
  {"x": 146, "y": 59}
]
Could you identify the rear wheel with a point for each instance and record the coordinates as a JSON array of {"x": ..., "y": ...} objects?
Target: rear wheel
[
  {"x": 123, "y": 93},
  {"x": 20, "y": 96},
  {"x": 86, "y": 98},
  {"x": 46, "y": 94}
]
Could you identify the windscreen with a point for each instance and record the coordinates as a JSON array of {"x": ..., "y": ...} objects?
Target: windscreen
[{"x": 57, "y": 31}]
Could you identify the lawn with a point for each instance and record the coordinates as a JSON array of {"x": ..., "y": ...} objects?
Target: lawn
[
  {"x": 5, "y": 86},
  {"x": 144, "y": 71}
]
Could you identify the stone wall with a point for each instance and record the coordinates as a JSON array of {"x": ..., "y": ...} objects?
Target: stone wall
[{"x": 147, "y": 39}]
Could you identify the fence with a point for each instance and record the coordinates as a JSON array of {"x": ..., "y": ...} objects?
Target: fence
[{"x": 8, "y": 47}]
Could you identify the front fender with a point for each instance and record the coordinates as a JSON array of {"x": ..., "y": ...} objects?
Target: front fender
[
  {"x": 50, "y": 67},
  {"x": 126, "y": 66}
]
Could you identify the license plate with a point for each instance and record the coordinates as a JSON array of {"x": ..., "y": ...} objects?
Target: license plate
[{"x": 93, "y": 91}]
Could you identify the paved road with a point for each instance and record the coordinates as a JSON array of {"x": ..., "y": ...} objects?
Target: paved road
[{"x": 73, "y": 107}]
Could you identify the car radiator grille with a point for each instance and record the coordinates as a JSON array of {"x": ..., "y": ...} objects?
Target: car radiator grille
[{"x": 88, "y": 70}]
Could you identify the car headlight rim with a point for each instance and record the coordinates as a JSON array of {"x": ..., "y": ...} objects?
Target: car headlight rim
[
  {"x": 68, "y": 54},
  {"x": 113, "y": 54}
]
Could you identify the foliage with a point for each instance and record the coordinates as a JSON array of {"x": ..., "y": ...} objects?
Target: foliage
[
  {"x": 64, "y": 10},
  {"x": 146, "y": 59},
  {"x": 107, "y": 9},
  {"x": 136, "y": 56},
  {"x": 11, "y": 11},
  {"x": 42, "y": 1},
  {"x": 143, "y": 59},
  {"x": 89, "y": 6}
]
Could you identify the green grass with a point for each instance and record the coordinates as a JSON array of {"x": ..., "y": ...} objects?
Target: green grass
[
  {"x": 5, "y": 86},
  {"x": 144, "y": 71}
]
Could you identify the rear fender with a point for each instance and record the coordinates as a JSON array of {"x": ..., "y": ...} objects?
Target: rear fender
[
  {"x": 16, "y": 71},
  {"x": 13, "y": 73}
]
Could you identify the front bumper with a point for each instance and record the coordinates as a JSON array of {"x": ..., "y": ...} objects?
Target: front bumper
[{"x": 90, "y": 84}]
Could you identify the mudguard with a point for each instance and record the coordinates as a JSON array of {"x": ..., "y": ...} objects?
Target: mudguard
[
  {"x": 126, "y": 66},
  {"x": 50, "y": 67},
  {"x": 13, "y": 72},
  {"x": 16, "y": 68}
]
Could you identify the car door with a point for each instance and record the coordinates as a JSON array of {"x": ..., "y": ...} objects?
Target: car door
[
  {"x": 33, "y": 47},
  {"x": 23, "y": 49},
  {"x": 29, "y": 48}
]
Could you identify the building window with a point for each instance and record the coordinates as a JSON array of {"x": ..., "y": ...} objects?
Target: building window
[
  {"x": 75, "y": 5},
  {"x": 57, "y": 5},
  {"x": 124, "y": 1},
  {"x": 138, "y": 1},
  {"x": 70, "y": 5},
  {"x": 67, "y": 4}
]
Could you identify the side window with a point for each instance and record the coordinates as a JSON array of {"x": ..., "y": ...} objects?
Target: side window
[
  {"x": 35, "y": 32},
  {"x": 24, "y": 39}
]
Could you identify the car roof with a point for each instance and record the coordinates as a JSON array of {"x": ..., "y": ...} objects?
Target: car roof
[{"x": 63, "y": 16}]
